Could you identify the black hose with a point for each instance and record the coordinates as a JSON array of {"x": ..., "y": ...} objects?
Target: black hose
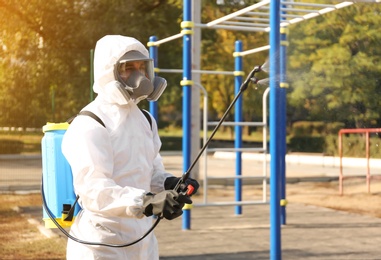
[
  {"x": 250, "y": 78},
  {"x": 51, "y": 216}
]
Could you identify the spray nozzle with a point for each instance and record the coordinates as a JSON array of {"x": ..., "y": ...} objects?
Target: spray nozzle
[
  {"x": 251, "y": 77},
  {"x": 257, "y": 69}
]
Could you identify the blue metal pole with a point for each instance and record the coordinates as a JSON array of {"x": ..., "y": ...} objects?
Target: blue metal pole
[
  {"x": 187, "y": 97},
  {"x": 237, "y": 128},
  {"x": 275, "y": 232},
  {"x": 186, "y": 218},
  {"x": 153, "y": 54},
  {"x": 282, "y": 117}
]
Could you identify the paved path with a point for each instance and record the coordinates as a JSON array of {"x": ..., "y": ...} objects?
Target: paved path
[
  {"x": 23, "y": 173},
  {"x": 217, "y": 233},
  {"x": 311, "y": 233}
]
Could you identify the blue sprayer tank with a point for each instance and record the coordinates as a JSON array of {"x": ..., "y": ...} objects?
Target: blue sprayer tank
[{"x": 57, "y": 176}]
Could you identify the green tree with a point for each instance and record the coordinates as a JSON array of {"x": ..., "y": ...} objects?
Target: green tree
[
  {"x": 217, "y": 54},
  {"x": 39, "y": 54},
  {"x": 334, "y": 67},
  {"x": 45, "y": 51}
]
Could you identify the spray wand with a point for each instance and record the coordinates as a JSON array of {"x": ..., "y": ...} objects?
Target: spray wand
[{"x": 250, "y": 78}]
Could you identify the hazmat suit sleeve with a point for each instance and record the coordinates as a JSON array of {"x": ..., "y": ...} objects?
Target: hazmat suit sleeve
[{"x": 86, "y": 146}]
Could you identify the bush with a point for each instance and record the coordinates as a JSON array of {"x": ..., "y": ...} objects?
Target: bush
[
  {"x": 308, "y": 144},
  {"x": 171, "y": 143},
  {"x": 331, "y": 145},
  {"x": 354, "y": 145},
  {"x": 301, "y": 128},
  {"x": 11, "y": 146},
  {"x": 316, "y": 128},
  {"x": 334, "y": 127}
]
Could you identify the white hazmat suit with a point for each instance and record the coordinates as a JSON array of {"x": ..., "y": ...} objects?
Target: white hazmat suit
[{"x": 113, "y": 166}]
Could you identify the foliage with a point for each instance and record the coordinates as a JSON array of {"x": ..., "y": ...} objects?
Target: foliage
[
  {"x": 315, "y": 128},
  {"x": 334, "y": 67},
  {"x": 46, "y": 51},
  {"x": 45, "y": 63},
  {"x": 308, "y": 144},
  {"x": 218, "y": 47},
  {"x": 355, "y": 146},
  {"x": 41, "y": 59}
]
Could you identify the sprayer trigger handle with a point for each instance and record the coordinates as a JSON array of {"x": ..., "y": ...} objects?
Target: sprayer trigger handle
[{"x": 189, "y": 190}]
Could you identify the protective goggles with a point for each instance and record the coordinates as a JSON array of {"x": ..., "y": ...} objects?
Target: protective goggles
[{"x": 135, "y": 61}]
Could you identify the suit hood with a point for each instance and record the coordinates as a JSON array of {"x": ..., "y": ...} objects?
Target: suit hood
[{"x": 108, "y": 51}]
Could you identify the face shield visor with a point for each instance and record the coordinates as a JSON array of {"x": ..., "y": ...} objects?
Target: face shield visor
[
  {"x": 134, "y": 60},
  {"x": 136, "y": 73}
]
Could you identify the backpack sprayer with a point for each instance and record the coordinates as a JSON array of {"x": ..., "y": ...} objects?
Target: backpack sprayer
[
  {"x": 57, "y": 180},
  {"x": 61, "y": 207}
]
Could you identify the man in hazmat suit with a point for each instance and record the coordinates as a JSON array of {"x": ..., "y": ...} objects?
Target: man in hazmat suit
[{"x": 118, "y": 173}]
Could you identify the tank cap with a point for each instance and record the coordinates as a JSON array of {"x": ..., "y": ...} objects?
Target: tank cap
[{"x": 55, "y": 126}]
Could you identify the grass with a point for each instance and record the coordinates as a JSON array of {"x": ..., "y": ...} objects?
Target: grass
[
  {"x": 32, "y": 141},
  {"x": 172, "y": 141},
  {"x": 170, "y": 137}
]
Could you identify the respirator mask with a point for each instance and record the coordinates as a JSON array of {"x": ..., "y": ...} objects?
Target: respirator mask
[{"x": 135, "y": 73}]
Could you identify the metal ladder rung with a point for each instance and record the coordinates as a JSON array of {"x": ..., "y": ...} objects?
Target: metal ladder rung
[
  {"x": 237, "y": 177},
  {"x": 236, "y": 149},
  {"x": 232, "y": 203},
  {"x": 232, "y": 123}
]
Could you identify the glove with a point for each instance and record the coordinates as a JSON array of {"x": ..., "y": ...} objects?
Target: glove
[
  {"x": 170, "y": 184},
  {"x": 167, "y": 203}
]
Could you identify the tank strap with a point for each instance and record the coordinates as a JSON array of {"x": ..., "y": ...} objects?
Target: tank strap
[
  {"x": 95, "y": 117},
  {"x": 86, "y": 113},
  {"x": 147, "y": 115},
  {"x": 91, "y": 114}
]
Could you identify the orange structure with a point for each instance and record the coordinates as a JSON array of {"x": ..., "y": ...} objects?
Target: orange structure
[{"x": 365, "y": 131}]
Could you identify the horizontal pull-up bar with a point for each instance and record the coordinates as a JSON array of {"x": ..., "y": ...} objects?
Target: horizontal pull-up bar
[
  {"x": 230, "y": 27},
  {"x": 252, "y": 19},
  {"x": 306, "y": 4},
  {"x": 235, "y": 14},
  {"x": 244, "y": 53},
  {"x": 158, "y": 70},
  {"x": 297, "y": 10},
  {"x": 170, "y": 38},
  {"x": 234, "y": 123},
  {"x": 246, "y": 24}
]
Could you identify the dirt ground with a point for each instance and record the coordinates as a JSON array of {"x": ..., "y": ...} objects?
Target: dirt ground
[
  {"x": 21, "y": 238},
  {"x": 355, "y": 198}
]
